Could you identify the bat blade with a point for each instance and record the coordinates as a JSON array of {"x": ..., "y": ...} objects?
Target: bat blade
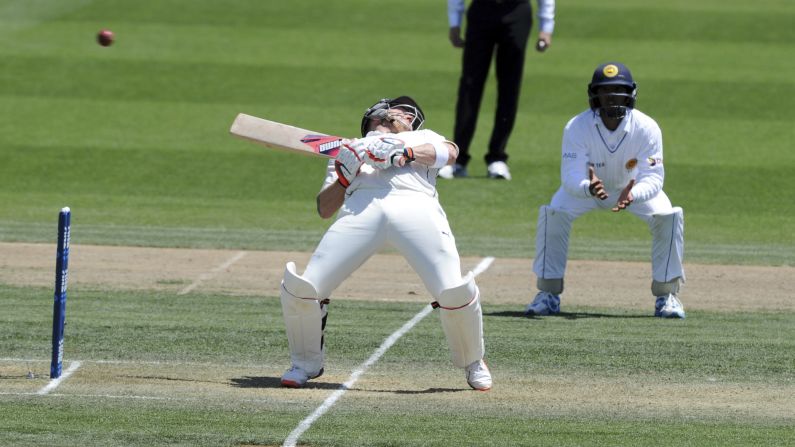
[{"x": 285, "y": 137}]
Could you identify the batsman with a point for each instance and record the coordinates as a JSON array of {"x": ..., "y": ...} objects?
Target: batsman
[
  {"x": 612, "y": 159},
  {"x": 382, "y": 187}
]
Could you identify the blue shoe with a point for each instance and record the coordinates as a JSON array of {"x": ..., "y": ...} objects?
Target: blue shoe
[
  {"x": 668, "y": 306},
  {"x": 544, "y": 303}
]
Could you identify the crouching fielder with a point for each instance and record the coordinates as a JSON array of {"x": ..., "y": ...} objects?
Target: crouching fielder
[
  {"x": 612, "y": 159},
  {"x": 384, "y": 188}
]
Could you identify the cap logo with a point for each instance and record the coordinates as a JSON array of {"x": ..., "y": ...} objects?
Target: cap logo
[{"x": 610, "y": 71}]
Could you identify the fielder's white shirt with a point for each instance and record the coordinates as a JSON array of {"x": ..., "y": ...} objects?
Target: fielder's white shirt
[
  {"x": 546, "y": 14},
  {"x": 411, "y": 177},
  {"x": 633, "y": 150}
]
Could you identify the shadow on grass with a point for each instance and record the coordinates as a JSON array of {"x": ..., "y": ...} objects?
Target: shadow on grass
[
  {"x": 566, "y": 315},
  {"x": 175, "y": 379},
  {"x": 425, "y": 391},
  {"x": 276, "y": 382}
]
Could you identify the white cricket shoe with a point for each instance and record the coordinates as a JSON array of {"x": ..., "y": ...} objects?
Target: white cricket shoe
[
  {"x": 668, "y": 306},
  {"x": 499, "y": 170},
  {"x": 453, "y": 171},
  {"x": 296, "y": 377},
  {"x": 479, "y": 376},
  {"x": 544, "y": 303}
]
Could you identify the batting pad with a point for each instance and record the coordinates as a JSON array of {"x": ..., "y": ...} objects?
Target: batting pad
[
  {"x": 552, "y": 243},
  {"x": 462, "y": 321},
  {"x": 303, "y": 318},
  {"x": 668, "y": 245}
]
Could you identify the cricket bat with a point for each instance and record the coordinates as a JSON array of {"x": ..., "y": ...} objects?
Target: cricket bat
[{"x": 284, "y": 137}]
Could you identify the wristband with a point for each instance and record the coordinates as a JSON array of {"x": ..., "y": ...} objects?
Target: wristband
[
  {"x": 409, "y": 154},
  {"x": 442, "y": 155}
]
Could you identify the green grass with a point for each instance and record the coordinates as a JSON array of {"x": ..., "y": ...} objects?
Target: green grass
[
  {"x": 198, "y": 369},
  {"x": 134, "y": 136}
]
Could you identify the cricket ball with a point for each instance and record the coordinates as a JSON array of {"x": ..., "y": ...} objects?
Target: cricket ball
[{"x": 105, "y": 37}]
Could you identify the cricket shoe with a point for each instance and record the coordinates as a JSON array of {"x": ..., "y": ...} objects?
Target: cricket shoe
[
  {"x": 453, "y": 171},
  {"x": 668, "y": 306},
  {"x": 499, "y": 170},
  {"x": 296, "y": 377},
  {"x": 479, "y": 376},
  {"x": 544, "y": 303}
]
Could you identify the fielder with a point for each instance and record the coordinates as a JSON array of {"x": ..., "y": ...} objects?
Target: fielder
[
  {"x": 612, "y": 159},
  {"x": 384, "y": 188}
]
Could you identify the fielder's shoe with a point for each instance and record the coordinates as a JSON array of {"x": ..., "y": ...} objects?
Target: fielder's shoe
[
  {"x": 544, "y": 303},
  {"x": 668, "y": 306},
  {"x": 479, "y": 376},
  {"x": 499, "y": 170},
  {"x": 296, "y": 377}
]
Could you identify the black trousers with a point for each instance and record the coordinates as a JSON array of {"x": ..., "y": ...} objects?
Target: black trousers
[{"x": 492, "y": 25}]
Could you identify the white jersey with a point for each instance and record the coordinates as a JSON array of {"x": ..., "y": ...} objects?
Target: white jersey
[
  {"x": 633, "y": 150},
  {"x": 411, "y": 177}
]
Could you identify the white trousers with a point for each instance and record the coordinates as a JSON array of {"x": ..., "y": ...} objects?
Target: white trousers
[
  {"x": 412, "y": 222},
  {"x": 665, "y": 223}
]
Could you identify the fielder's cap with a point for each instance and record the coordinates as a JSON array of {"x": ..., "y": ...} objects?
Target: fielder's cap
[{"x": 612, "y": 73}]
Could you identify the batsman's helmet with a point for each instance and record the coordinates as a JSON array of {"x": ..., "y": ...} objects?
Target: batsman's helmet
[
  {"x": 380, "y": 109},
  {"x": 613, "y": 73}
]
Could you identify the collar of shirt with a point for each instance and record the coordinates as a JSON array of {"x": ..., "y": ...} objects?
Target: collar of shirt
[{"x": 612, "y": 139}]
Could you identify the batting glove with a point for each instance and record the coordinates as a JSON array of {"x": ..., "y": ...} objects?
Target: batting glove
[
  {"x": 387, "y": 151},
  {"x": 348, "y": 162}
]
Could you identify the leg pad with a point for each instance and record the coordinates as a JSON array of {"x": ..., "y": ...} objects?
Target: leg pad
[{"x": 462, "y": 322}]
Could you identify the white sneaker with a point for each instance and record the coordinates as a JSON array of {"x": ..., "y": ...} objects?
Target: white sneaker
[
  {"x": 446, "y": 172},
  {"x": 499, "y": 170},
  {"x": 668, "y": 306},
  {"x": 479, "y": 376},
  {"x": 296, "y": 377},
  {"x": 544, "y": 303},
  {"x": 453, "y": 171}
]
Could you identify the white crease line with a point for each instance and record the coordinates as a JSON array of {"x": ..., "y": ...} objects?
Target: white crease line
[
  {"x": 205, "y": 276},
  {"x": 304, "y": 425},
  {"x": 55, "y": 382},
  {"x": 483, "y": 265}
]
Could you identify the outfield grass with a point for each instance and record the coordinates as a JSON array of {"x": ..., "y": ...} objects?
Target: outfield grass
[
  {"x": 134, "y": 136},
  {"x": 161, "y": 369}
]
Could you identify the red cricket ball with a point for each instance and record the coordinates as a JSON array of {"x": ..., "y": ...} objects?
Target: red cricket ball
[{"x": 105, "y": 37}]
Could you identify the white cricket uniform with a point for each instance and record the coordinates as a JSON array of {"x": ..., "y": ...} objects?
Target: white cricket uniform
[
  {"x": 633, "y": 151},
  {"x": 395, "y": 206}
]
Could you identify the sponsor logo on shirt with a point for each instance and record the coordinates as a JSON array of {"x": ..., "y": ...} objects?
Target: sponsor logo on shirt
[
  {"x": 569, "y": 155},
  {"x": 631, "y": 164},
  {"x": 655, "y": 161}
]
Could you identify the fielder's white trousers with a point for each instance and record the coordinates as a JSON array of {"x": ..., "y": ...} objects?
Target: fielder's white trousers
[
  {"x": 412, "y": 222},
  {"x": 667, "y": 233}
]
